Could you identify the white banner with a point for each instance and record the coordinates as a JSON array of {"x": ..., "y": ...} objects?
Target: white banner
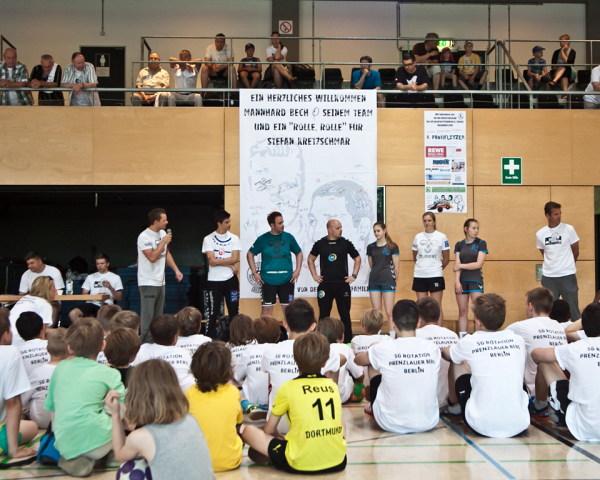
[
  {"x": 312, "y": 155},
  {"x": 446, "y": 161}
]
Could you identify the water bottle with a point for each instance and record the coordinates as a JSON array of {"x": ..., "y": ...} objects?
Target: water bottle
[{"x": 69, "y": 283}]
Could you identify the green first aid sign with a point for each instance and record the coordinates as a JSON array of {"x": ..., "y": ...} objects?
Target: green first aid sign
[{"x": 511, "y": 170}]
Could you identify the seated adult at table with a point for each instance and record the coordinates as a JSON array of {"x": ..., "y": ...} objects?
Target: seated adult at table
[
  {"x": 47, "y": 74},
  {"x": 37, "y": 268},
  {"x": 151, "y": 76}
]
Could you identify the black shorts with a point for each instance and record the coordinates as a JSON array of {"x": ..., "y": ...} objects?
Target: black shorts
[
  {"x": 432, "y": 284},
  {"x": 472, "y": 287},
  {"x": 277, "y": 456},
  {"x": 270, "y": 293}
]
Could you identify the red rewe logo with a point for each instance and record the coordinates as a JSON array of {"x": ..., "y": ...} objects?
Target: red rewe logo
[{"x": 436, "y": 152}]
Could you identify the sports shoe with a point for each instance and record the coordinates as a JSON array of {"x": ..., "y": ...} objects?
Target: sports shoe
[
  {"x": 535, "y": 411},
  {"x": 452, "y": 409},
  {"x": 258, "y": 457},
  {"x": 255, "y": 413}
]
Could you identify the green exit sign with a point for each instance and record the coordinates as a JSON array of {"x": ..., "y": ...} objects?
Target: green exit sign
[{"x": 511, "y": 170}]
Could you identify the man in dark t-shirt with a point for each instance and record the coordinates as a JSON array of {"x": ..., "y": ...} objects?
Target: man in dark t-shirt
[
  {"x": 412, "y": 79},
  {"x": 427, "y": 53},
  {"x": 334, "y": 280},
  {"x": 47, "y": 74}
]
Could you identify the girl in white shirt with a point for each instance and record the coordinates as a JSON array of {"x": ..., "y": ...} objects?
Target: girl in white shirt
[
  {"x": 38, "y": 301},
  {"x": 278, "y": 70}
]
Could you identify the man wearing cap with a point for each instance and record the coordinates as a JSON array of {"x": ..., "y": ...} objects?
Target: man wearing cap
[
  {"x": 426, "y": 53},
  {"x": 536, "y": 72}
]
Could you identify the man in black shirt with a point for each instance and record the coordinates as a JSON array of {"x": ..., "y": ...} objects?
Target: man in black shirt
[
  {"x": 334, "y": 281},
  {"x": 412, "y": 79},
  {"x": 427, "y": 53},
  {"x": 47, "y": 74}
]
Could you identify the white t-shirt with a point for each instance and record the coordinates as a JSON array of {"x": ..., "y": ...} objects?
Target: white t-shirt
[
  {"x": 249, "y": 374},
  {"x": 348, "y": 371},
  {"x": 429, "y": 248},
  {"x": 215, "y": 55},
  {"x": 13, "y": 377},
  {"x": 237, "y": 351},
  {"x": 177, "y": 357},
  {"x": 442, "y": 337},
  {"x": 34, "y": 354},
  {"x": 497, "y": 407},
  {"x": 29, "y": 303},
  {"x": 582, "y": 360},
  {"x": 590, "y": 88},
  {"x": 49, "y": 271},
  {"x": 151, "y": 274},
  {"x": 361, "y": 343},
  {"x": 192, "y": 342},
  {"x": 538, "y": 332},
  {"x": 93, "y": 284},
  {"x": 101, "y": 359},
  {"x": 185, "y": 78},
  {"x": 34, "y": 399},
  {"x": 222, "y": 247},
  {"x": 407, "y": 397},
  {"x": 556, "y": 243},
  {"x": 271, "y": 50}
]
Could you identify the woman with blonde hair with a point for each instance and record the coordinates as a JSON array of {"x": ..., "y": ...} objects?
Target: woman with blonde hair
[{"x": 37, "y": 300}]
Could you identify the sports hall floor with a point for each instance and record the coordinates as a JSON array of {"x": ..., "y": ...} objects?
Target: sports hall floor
[{"x": 449, "y": 451}]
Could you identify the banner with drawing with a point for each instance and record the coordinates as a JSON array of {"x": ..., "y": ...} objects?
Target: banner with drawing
[
  {"x": 445, "y": 161},
  {"x": 311, "y": 155}
]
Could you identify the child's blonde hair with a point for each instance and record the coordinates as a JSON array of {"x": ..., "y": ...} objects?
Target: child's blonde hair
[
  {"x": 372, "y": 321},
  {"x": 85, "y": 337},
  {"x": 57, "y": 344},
  {"x": 42, "y": 287},
  {"x": 125, "y": 318}
]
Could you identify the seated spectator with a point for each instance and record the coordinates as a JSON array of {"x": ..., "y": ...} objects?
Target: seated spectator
[
  {"x": 427, "y": 53},
  {"x": 152, "y": 76},
  {"x": 562, "y": 59},
  {"x": 37, "y": 268},
  {"x": 34, "y": 350},
  {"x": 122, "y": 346},
  {"x": 536, "y": 71},
  {"x": 127, "y": 319},
  {"x": 33, "y": 400},
  {"x": 412, "y": 79},
  {"x": 189, "y": 320},
  {"x": 82, "y": 428},
  {"x": 217, "y": 53},
  {"x": 278, "y": 72},
  {"x": 470, "y": 74},
  {"x": 368, "y": 79},
  {"x": 448, "y": 68},
  {"x": 593, "y": 101},
  {"x": 13, "y": 74},
  {"x": 249, "y": 70},
  {"x": 80, "y": 76},
  {"x": 47, "y": 74},
  {"x": 13, "y": 383},
  {"x": 185, "y": 74},
  {"x": 163, "y": 434},
  {"x": 37, "y": 301}
]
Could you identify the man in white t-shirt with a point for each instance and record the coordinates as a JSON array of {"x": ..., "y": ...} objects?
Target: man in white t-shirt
[
  {"x": 103, "y": 282},
  {"x": 593, "y": 101},
  {"x": 153, "y": 255},
  {"x": 559, "y": 245},
  {"x": 222, "y": 250},
  {"x": 37, "y": 268},
  {"x": 538, "y": 331},
  {"x": 13, "y": 383},
  {"x": 217, "y": 54},
  {"x": 185, "y": 75},
  {"x": 576, "y": 401},
  {"x": 489, "y": 367},
  {"x": 403, "y": 376}
]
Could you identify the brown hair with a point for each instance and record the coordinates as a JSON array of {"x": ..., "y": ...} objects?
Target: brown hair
[
  {"x": 332, "y": 329},
  {"x": 432, "y": 215},
  {"x": 541, "y": 300},
  {"x": 299, "y": 315},
  {"x": 241, "y": 330},
  {"x": 127, "y": 319},
  {"x": 122, "y": 345},
  {"x": 372, "y": 321},
  {"x": 211, "y": 366},
  {"x": 189, "y": 320},
  {"x": 57, "y": 343},
  {"x": 389, "y": 242},
  {"x": 490, "y": 310},
  {"x": 154, "y": 395},
  {"x": 155, "y": 214},
  {"x": 429, "y": 309},
  {"x": 164, "y": 329},
  {"x": 85, "y": 337},
  {"x": 467, "y": 224},
  {"x": 4, "y": 321},
  {"x": 106, "y": 313},
  {"x": 42, "y": 287},
  {"x": 311, "y": 352},
  {"x": 267, "y": 329}
]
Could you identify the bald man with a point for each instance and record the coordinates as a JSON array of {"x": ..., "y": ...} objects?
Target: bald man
[
  {"x": 13, "y": 74},
  {"x": 333, "y": 279}
]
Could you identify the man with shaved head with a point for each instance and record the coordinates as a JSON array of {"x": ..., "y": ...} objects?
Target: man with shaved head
[
  {"x": 13, "y": 74},
  {"x": 334, "y": 281}
]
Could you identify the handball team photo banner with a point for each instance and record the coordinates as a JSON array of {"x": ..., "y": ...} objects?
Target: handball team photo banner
[{"x": 311, "y": 155}]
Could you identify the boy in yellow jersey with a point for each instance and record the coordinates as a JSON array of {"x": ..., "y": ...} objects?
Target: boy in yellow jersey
[{"x": 315, "y": 442}]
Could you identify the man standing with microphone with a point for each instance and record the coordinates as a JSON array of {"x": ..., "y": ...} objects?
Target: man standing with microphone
[{"x": 153, "y": 254}]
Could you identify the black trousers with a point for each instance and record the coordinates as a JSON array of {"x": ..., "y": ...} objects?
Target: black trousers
[
  {"x": 228, "y": 290},
  {"x": 340, "y": 292}
]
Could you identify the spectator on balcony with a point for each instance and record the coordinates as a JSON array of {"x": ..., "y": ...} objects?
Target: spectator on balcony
[
  {"x": 448, "y": 68},
  {"x": 13, "y": 74},
  {"x": 278, "y": 71},
  {"x": 80, "y": 76},
  {"x": 412, "y": 79},
  {"x": 218, "y": 53},
  {"x": 368, "y": 79},
  {"x": 593, "y": 101},
  {"x": 47, "y": 74},
  {"x": 427, "y": 53},
  {"x": 562, "y": 59},
  {"x": 537, "y": 71},
  {"x": 250, "y": 71},
  {"x": 471, "y": 75},
  {"x": 185, "y": 74},
  {"x": 152, "y": 76}
]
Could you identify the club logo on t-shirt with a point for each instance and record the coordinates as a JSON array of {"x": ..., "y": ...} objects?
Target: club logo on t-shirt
[
  {"x": 554, "y": 239},
  {"x": 321, "y": 294},
  {"x": 332, "y": 257}
]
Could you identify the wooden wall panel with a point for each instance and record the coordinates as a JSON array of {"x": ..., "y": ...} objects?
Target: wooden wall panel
[
  {"x": 578, "y": 210},
  {"x": 158, "y": 146},
  {"x": 232, "y": 146},
  {"x": 232, "y": 205},
  {"x": 584, "y": 130}
]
